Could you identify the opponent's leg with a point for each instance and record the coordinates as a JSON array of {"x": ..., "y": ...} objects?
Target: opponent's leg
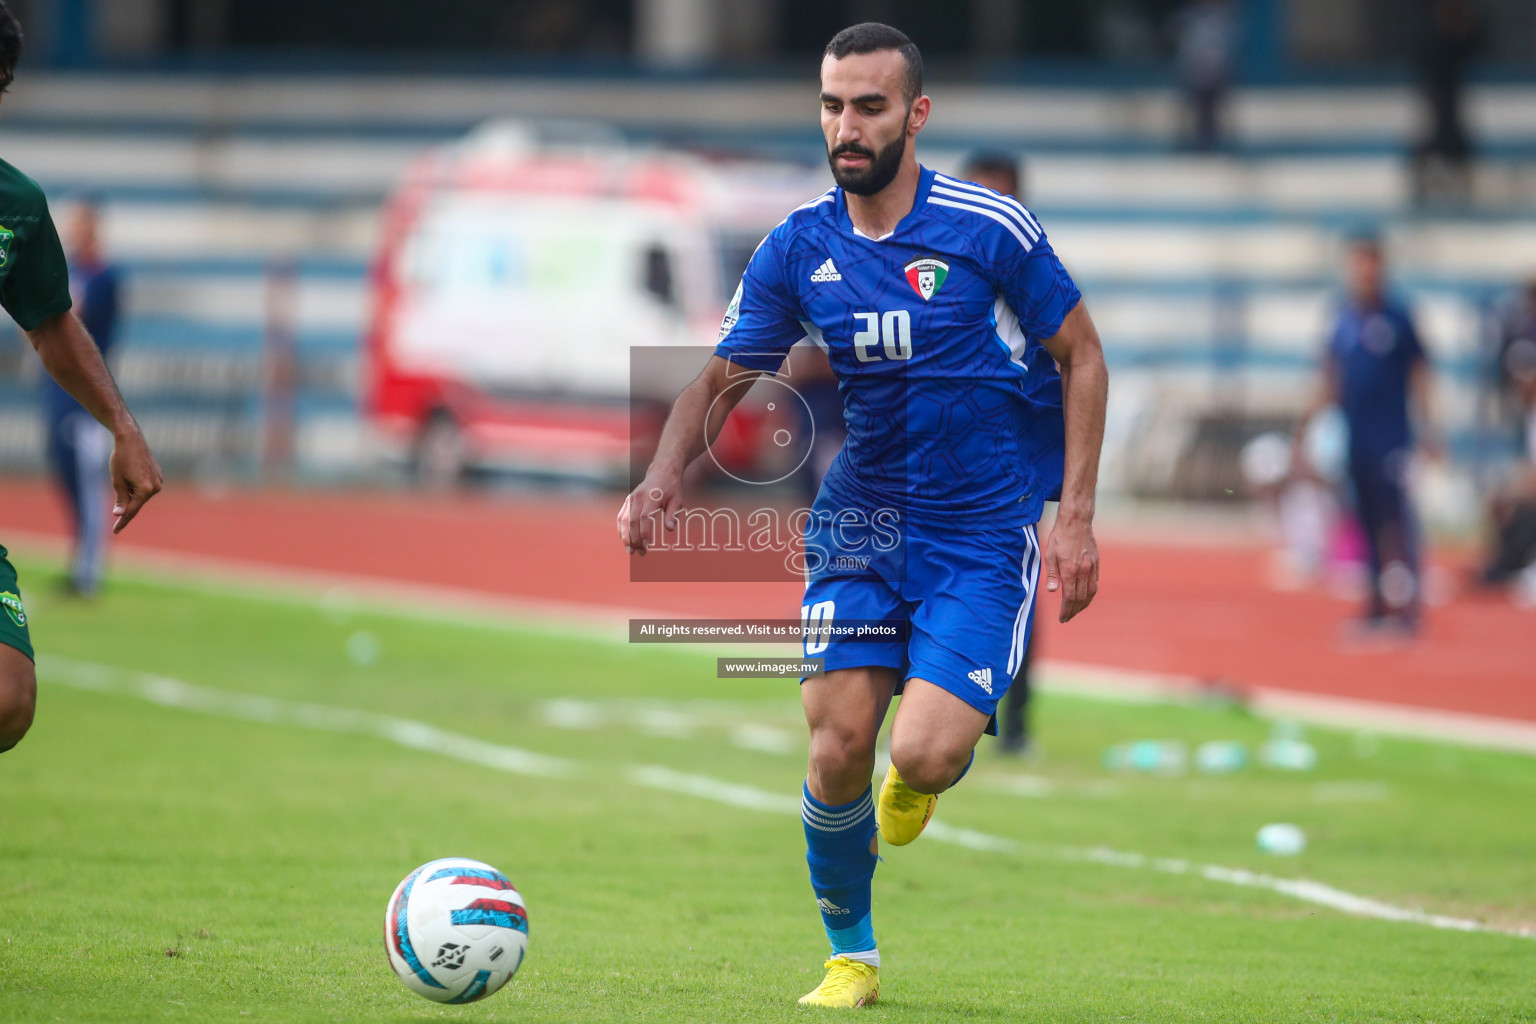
[
  {"x": 844, "y": 709},
  {"x": 18, "y": 696}
]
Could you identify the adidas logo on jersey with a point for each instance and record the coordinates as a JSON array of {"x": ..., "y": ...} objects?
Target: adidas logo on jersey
[
  {"x": 828, "y": 907},
  {"x": 982, "y": 677},
  {"x": 826, "y": 272}
]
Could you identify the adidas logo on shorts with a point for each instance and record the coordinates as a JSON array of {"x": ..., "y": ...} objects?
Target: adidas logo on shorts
[
  {"x": 826, "y": 272},
  {"x": 982, "y": 677}
]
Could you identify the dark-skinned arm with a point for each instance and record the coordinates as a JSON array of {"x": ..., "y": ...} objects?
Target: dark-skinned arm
[{"x": 72, "y": 358}]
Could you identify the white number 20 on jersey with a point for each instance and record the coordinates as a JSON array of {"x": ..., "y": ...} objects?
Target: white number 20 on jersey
[{"x": 891, "y": 330}]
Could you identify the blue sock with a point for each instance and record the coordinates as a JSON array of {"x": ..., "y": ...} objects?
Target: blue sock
[{"x": 837, "y": 848}]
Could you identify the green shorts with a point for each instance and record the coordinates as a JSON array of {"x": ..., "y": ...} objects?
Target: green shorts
[{"x": 13, "y": 617}]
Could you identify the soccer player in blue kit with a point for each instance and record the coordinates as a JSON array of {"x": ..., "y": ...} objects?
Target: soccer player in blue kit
[
  {"x": 945, "y": 314},
  {"x": 1376, "y": 371}
]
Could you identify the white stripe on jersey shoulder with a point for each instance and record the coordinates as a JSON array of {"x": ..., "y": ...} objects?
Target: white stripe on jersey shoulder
[
  {"x": 826, "y": 197},
  {"x": 971, "y": 186},
  {"x": 994, "y": 201},
  {"x": 1002, "y": 219}
]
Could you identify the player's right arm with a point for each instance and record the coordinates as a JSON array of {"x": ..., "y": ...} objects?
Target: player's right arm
[
  {"x": 760, "y": 326},
  {"x": 695, "y": 421}
]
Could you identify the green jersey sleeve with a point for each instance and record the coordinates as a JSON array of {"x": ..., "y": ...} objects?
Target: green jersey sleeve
[{"x": 34, "y": 277}]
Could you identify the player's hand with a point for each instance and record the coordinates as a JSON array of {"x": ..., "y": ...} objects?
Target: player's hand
[
  {"x": 660, "y": 492},
  {"x": 135, "y": 476},
  {"x": 1072, "y": 564}
]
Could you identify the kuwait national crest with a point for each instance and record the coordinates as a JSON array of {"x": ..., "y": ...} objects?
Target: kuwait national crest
[{"x": 926, "y": 275}]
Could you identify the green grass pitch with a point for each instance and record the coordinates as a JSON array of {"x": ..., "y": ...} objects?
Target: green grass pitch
[{"x": 169, "y": 864}]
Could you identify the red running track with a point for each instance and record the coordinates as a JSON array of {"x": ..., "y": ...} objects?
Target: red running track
[{"x": 1184, "y": 609}]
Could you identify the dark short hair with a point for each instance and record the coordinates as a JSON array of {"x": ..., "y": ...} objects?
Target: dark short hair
[
  {"x": 872, "y": 37},
  {"x": 1001, "y": 164},
  {"x": 10, "y": 46}
]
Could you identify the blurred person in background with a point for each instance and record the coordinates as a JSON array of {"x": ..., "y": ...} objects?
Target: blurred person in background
[
  {"x": 996, "y": 171},
  {"x": 1205, "y": 37},
  {"x": 34, "y": 289},
  {"x": 78, "y": 446},
  {"x": 1375, "y": 368},
  {"x": 1442, "y": 159},
  {"x": 1512, "y": 357},
  {"x": 1000, "y": 173},
  {"x": 1511, "y": 544}
]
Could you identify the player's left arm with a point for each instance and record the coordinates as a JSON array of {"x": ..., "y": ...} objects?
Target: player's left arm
[
  {"x": 72, "y": 358},
  {"x": 1071, "y": 553}
]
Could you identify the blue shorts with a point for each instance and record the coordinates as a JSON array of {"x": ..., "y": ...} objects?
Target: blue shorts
[{"x": 968, "y": 599}]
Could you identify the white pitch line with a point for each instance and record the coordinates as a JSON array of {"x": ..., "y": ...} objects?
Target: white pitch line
[
  {"x": 332, "y": 591},
  {"x": 174, "y": 693},
  {"x": 702, "y": 786}
]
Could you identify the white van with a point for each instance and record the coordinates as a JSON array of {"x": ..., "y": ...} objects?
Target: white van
[{"x": 514, "y": 278}]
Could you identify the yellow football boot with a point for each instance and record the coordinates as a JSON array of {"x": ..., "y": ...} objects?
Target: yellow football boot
[
  {"x": 903, "y": 812},
  {"x": 848, "y": 984}
]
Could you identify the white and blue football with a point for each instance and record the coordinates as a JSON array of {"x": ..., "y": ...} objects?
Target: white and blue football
[{"x": 455, "y": 930}]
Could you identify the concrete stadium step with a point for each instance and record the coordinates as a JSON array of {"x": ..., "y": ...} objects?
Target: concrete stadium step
[
  {"x": 318, "y": 304},
  {"x": 302, "y": 172},
  {"x": 1346, "y": 117},
  {"x": 1470, "y": 250},
  {"x": 319, "y": 170},
  {"x": 1166, "y": 249},
  {"x": 214, "y": 232}
]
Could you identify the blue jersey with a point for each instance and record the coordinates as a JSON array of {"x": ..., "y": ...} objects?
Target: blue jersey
[
  {"x": 953, "y": 408},
  {"x": 1374, "y": 351}
]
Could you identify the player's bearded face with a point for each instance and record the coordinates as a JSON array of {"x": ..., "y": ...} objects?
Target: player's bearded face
[{"x": 879, "y": 169}]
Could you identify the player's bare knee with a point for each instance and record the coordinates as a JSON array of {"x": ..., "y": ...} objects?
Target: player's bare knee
[
  {"x": 842, "y": 760},
  {"x": 18, "y": 700},
  {"x": 926, "y": 769}
]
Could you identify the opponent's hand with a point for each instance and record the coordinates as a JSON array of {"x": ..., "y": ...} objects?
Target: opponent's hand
[
  {"x": 1072, "y": 564},
  {"x": 660, "y": 491},
  {"x": 135, "y": 476}
]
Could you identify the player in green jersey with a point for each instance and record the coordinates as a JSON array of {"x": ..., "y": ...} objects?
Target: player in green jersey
[{"x": 34, "y": 289}]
